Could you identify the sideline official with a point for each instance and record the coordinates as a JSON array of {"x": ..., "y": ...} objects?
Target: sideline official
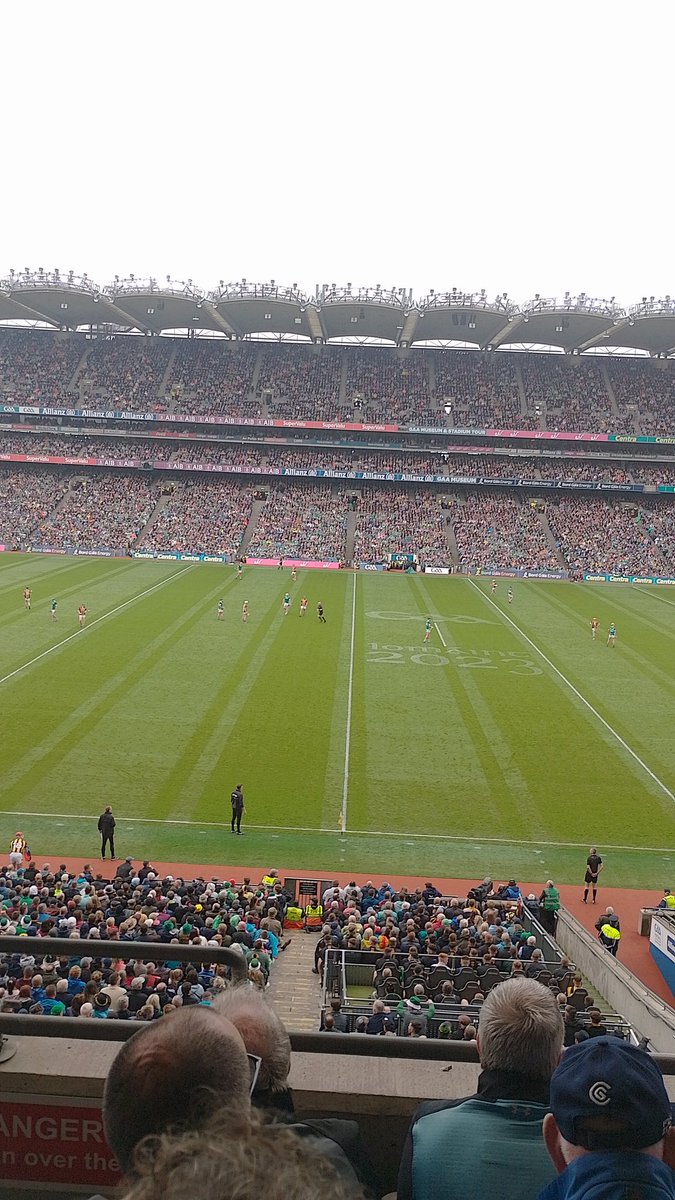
[{"x": 106, "y": 828}]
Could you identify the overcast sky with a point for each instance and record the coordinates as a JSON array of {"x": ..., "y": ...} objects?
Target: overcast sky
[{"x": 521, "y": 147}]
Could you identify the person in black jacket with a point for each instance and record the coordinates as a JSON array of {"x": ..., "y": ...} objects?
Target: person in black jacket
[
  {"x": 106, "y": 828},
  {"x": 237, "y": 800}
]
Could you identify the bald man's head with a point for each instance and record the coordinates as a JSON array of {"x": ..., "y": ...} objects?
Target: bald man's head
[{"x": 170, "y": 1074}]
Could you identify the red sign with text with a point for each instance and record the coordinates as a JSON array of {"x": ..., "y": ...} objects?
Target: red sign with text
[{"x": 59, "y": 1144}]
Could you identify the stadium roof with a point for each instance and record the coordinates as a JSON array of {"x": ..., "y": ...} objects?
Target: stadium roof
[{"x": 573, "y": 324}]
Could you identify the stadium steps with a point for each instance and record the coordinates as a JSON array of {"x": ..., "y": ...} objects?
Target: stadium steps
[
  {"x": 344, "y": 368},
  {"x": 452, "y": 543},
  {"x": 546, "y": 530},
  {"x": 521, "y": 388},
  {"x": 610, "y": 390},
  {"x": 256, "y": 509},
  {"x": 72, "y": 385},
  {"x": 166, "y": 377},
  {"x": 161, "y": 503},
  {"x": 350, "y": 535},
  {"x": 294, "y": 992}
]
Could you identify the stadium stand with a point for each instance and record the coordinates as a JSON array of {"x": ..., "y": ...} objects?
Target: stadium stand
[
  {"x": 479, "y": 389},
  {"x": 299, "y": 382},
  {"x": 566, "y": 393},
  {"x": 27, "y": 496},
  {"x": 604, "y": 536},
  {"x": 125, "y": 373},
  {"x": 100, "y": 510},
  {"x": 493, "y": 530},
  {"x": 301, "y": 521},
  {"x": 409, "y": 522},
  {"x": 37, "y": 367},
  {"x": 213, "y": 377},
  {"x": 201, "y": 515}
]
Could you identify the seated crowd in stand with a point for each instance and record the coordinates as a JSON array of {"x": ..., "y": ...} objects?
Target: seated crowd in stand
[
  {"x": 338, "y": 383},
  {"x": 101, "y": 510},
  {"x": 298, "y": 380},
  {"x": 499, "y": 531},
  {"x": 400, "y": 522},
  {"x": 603, "y": 537},
  {"x": 301, "y": 521},
  {"x": 481, "y": 390},
  {"x": 201, "y": 516},
  {"x": 26, "y": 499},
  {"x": 207, "y": 1049},
  {"x": 214, "y": 377}
]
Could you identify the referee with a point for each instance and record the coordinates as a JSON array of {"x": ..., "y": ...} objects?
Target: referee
[{"x": 594, "y": 865}]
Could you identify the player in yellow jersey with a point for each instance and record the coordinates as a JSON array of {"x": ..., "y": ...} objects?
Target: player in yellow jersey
[
  {"x": 244, "y": 611},
  {"x": 27, "y": 597},
  {"x": 303, "y": 606},
  {"x": 595, "y": 625}
]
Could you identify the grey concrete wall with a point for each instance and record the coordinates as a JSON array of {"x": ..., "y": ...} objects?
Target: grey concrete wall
[{"x": 645, "y": 1011}]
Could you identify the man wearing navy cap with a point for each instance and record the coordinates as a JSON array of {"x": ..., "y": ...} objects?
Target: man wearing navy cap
[{"x": 609, "y": 1132}]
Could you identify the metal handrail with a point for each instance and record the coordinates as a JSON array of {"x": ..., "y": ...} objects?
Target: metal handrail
[
  {"x": 140, "y": 951},
  {"x": 350, "y": 1044}
]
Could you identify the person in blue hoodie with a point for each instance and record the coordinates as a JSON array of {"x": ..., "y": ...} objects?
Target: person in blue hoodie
[{"x": 609, "y": 1132}]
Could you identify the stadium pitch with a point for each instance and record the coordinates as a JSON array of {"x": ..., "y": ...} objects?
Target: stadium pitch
[{"x": 509, "y": 742}]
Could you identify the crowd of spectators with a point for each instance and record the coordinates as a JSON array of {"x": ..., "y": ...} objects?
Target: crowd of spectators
[
  {"x": 493, "y": 530},
  {"x": 390, "y": 386},
  {"x": 103, "y": 509},
  {"x": 213, "y": 376},
  {"x": 658, "y": 520},
  {"x": 567, "y": 393},
  {"x": 301, "y": 521},
  {"x": 603, "y": 536},
  {"x": 125, "y": 373},
  {"x": 37, "y": 366},
  {"x": 27, "y": 497},
  {"x": 645, "y": 389},
  {"x": 391, "y": 522},
  {"x": 303, "y": 381},
  {"x": 201, "y": 515},
  {"x": 338, "y": 383},
  {"x": 136, "y": 905},
  {"x": 356, "y": 460},
  {"x": 481, "y": 389}
]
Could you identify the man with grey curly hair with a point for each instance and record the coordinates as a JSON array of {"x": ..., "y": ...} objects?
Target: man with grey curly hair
[
  {"x": 499, "y": 1129},
  {"x": 234, "y": 1155}
]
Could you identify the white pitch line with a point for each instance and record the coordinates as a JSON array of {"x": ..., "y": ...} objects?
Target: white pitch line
[
  {"x": 348, "y": 732},
  {"x": 354, "y": 833},
  {"x": 445, "y": 644},
  {"x": 610, "y": 729},
  {"x": 655, "y": 595},
  {"x": 31, "y": 662}
]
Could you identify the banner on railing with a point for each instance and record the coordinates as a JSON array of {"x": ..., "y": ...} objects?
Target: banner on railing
[
  {"x": 589, "y": 577},
  {"x": 518, "y": 573},
  {"x": 560, "y": 435},
  {"x": 298, "y": 563},
  {"x": 180, "y": 556}
]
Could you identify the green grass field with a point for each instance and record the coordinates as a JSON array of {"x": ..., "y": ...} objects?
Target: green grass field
[{"x": 510, "y": 744}]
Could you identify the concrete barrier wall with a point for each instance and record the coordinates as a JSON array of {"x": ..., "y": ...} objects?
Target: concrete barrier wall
[{"x": 645, "y": 1011}]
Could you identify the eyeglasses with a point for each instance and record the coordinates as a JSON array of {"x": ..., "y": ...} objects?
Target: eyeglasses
[{"x": 255, "y": 1064}]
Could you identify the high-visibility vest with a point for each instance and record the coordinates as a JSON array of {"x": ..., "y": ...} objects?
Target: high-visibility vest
[
  {"x": 611, "y": 933},
  {"x": 669, "y": 901},
  {"x": 551, "y": 899}
]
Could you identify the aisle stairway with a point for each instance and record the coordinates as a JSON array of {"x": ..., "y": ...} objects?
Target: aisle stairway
[{"x": 294, "y": 991}]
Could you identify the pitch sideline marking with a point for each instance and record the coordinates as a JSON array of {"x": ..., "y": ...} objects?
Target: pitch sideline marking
[
  {"x": 577, "y": 693},
  {"x": 354, "y": 833},
  {"x": 31, "y": 662},
  {"x": 348, "y": 732},
  {"x": 654, "y": 595}
]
